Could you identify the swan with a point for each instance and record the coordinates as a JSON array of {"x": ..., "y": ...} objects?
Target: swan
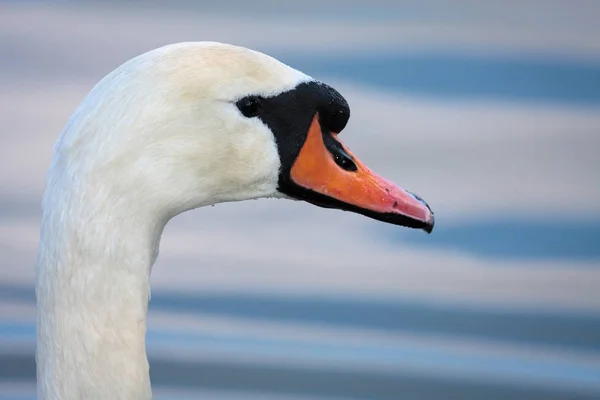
[{"x": 176, "y": 128}]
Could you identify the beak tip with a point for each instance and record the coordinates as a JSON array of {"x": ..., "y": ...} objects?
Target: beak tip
[
  {"x": 430, "y": 222},
  {"x": 429, "y": 225}
]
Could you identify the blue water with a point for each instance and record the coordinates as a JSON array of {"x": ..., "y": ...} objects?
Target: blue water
[
  {"x": 570, "y": 330},
  {"x": 462, "y": 76},
  {"x": 445, "y": 76},
  {"x": 509, "y": 239},
  {"x": 396, "y": 355}
]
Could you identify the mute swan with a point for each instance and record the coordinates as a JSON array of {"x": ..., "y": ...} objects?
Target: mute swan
[{"x": 180, "y": 127}]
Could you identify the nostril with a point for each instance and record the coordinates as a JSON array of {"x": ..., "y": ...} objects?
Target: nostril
[
  {"x": 339, "y": 155},
  {"x": 344, "y": 162}
]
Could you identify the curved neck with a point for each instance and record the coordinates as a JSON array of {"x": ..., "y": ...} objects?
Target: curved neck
[{"x": 92, "y": 288}]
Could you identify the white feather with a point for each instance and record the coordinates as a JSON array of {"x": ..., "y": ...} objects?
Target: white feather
[{"x": 154, "y": 138}]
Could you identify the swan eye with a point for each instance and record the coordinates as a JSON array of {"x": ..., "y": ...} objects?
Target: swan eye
[{"x": 249, "y": 106}]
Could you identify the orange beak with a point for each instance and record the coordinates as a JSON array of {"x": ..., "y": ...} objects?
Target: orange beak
[{"x": 333, "y": 177}]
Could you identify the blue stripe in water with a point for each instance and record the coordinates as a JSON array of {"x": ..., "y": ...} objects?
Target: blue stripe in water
[
  {"x": 511, "y": 239},
  {"x": 462, "y": 76},
  {"x": 398, "y": 355},
  {"x": 575, "y": 330}
]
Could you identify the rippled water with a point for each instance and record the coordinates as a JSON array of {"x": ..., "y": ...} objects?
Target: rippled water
[{"x": 493, "y": 305}]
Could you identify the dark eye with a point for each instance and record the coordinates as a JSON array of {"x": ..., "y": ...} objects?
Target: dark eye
[{"x": 249, "y": 106}]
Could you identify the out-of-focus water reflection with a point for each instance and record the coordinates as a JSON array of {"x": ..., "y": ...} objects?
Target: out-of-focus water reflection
[{"x": 489, "y": 111}]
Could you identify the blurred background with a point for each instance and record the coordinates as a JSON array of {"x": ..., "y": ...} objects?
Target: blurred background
[{"x": 488, "y": 110}]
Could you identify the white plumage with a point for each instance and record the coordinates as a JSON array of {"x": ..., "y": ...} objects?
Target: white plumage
[{"x": 156, "y": 137}]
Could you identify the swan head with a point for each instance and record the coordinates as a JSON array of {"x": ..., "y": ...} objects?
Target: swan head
[{"x": 194, "y": 124}]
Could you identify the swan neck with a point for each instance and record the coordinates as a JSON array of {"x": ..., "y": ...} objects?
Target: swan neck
[{"x": 92, "y": 289}]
